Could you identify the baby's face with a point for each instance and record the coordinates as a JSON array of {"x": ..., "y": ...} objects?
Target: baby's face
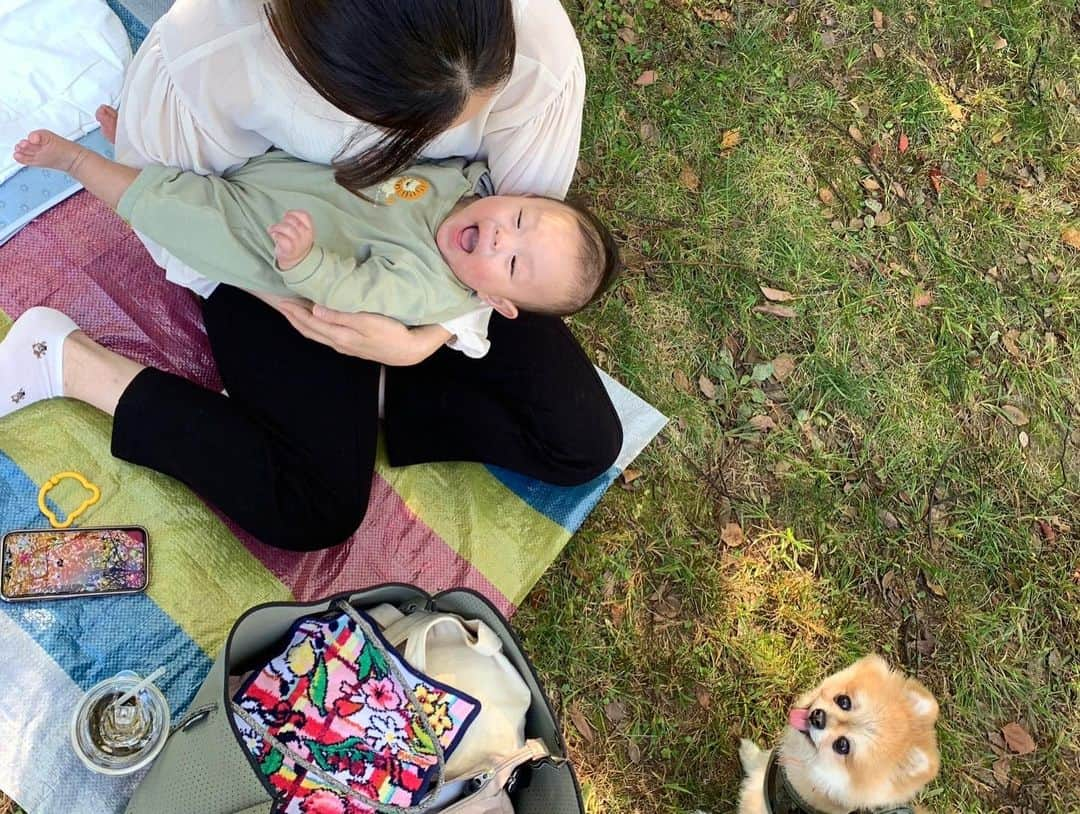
[{"x": 523, "y": 250}]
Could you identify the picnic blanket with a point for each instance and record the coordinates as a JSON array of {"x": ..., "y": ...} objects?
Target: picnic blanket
[{"x": 436, "y": 526}]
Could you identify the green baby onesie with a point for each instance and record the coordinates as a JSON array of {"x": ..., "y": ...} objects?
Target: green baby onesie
[{"x": 373, "y": 252}]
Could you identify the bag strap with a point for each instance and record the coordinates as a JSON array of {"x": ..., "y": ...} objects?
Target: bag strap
[{"x": 334, "y": 783}]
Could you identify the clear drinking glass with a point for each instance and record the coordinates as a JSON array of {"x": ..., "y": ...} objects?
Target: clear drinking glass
[{"x": 120, "y": 739}]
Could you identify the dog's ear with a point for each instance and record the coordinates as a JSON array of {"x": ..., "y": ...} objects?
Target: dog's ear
[
  {"x": 920, "y": 765},
  {"x": 923, "y": 704},
  {"x": 874, "y": 663}
]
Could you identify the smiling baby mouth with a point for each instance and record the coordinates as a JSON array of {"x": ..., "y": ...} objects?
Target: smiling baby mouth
[{"x": 468, "y": 238}]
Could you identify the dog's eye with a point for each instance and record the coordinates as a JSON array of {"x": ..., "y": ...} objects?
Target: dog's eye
[
  {"x": 843, "y": 702},
  {"x": 841, "y": 746}
]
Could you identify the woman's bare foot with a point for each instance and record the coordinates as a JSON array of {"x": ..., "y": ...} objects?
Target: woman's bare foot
[
  {"x": 106, "y": 117},
  {"x": 43, "y": 148}
]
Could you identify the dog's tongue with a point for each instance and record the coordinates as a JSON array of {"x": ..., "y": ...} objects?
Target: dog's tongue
[{"x": 799, "y": 719}]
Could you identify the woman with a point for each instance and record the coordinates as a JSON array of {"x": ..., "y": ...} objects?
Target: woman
[{"x": 367, "y": 84}]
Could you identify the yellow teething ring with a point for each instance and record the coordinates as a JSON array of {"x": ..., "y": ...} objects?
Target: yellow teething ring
[{"x": 95, "y": 496}]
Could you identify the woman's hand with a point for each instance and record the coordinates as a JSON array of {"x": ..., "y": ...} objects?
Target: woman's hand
[{"x": 366, "y": 336}]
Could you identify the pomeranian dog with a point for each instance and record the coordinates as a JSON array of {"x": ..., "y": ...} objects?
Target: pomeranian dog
[{"x": 862, "y": 741}]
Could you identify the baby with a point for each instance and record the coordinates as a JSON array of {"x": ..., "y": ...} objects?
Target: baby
[{"x": 424, "y": 247}]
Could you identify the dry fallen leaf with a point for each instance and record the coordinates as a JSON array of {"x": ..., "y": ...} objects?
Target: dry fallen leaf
[
  {"x": 649, "y": 133},
  {"x": 982, "y": 178},
  {"x": 922, "y": 298},
  {"x": 870, "y": 185},
  {"x": 704, "y": 699},
  {"x": 615, "y": 712},
  {"x": 730, "y": 139},
  {"x": 1047, "y": 531},
  {"x": 876, "y": 153},
  {"x": 646, "y": 78},
  {"x": 825, "y": 195},
  {"x": 732, "y": 535},
  {"x": 934, "y": 174},
  {"x": 628, "y": 35},
  {"x": 1015, "y": 415},
  {"x": 933, "y": 587},
  {"x": 618, "y": 614},
  {"x": 682, "y": 381},
  {"x": 762, "y": 423},
  {"x": 630, "y": 475},
  {"x": 879, "y": 52},
  {"x": 879, "y": 19},
  {"x": 783, "y": 366},
  {"x": 856, "y": 134},
  {"x": 688, "y": 179},
  {"x": 776, "y": 294},
  {"x": 1071, "y": 237},
  {"x": 708, "y": 389},
  {"x": 902, "y": 143},
  {"x": 1000, "y": 44},
  {"x": 888, "y": 519},
  {"x": 781, "y": 311},
  {"x": 1017, "y": 739},
  {"x": 1009, "y": 341},
  {"x": 1024, "y": 439},
  {"x": 1001, "y": 771},
  {"x": 581, "y": 723},
  {"x": 633, "y": 752},
  {"x": 883, "y": 218}
]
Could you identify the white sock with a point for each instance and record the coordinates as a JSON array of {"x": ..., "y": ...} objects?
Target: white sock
[{"x": 32, "y": 359}]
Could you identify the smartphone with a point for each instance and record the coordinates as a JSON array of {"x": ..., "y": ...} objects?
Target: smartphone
[{"x": 67, "y": 563}]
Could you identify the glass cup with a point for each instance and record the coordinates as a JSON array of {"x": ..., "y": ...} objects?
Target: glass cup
[{"x": 120, "y": 739}]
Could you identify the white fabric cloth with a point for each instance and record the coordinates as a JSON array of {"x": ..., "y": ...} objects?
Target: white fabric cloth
[
  {"x": 59, "y": 60},
  {"x": 466, "y": 655},
  {"x": 210, "y": 87}
]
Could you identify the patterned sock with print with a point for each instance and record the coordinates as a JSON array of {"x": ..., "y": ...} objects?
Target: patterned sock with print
[{"x": 32, "y": 359}]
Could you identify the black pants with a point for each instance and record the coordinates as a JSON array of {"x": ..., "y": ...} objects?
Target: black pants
[{"x": 289, "y": 453}]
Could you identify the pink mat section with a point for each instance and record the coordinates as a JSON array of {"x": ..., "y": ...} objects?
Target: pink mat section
[{"x": 82, "y": 259}]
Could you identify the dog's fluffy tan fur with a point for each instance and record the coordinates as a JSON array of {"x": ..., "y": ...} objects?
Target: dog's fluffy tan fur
[{"x": 889, "y": 732}]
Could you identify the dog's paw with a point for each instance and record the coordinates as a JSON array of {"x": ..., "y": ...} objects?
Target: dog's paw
[{"x": 750, "y": 755}]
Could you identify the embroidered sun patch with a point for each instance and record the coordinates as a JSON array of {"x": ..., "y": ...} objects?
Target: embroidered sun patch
[{"x": 409, "y": 188}]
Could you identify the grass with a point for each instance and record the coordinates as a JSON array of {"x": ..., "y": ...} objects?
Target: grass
[{"x": 893, "y": 507}]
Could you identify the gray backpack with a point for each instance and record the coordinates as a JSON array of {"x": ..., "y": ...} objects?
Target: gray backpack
[{"x": 204, "y": 768}]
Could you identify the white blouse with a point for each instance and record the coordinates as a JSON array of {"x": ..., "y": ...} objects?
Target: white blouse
[{"x": 210, "y": 87}]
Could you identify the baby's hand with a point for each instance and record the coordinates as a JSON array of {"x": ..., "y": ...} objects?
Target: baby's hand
[{"x": 293, "y": 235}]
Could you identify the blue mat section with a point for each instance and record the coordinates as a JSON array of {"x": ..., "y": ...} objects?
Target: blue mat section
[
  {"x": 138, "y": 635},
  {"x": 135, "y": 28},
  {"x": 31, "y": 191},
  {"x": 566, "y": 505}
]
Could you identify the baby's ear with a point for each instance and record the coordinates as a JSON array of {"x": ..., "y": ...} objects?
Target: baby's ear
[{"x": 500, "y": 304}]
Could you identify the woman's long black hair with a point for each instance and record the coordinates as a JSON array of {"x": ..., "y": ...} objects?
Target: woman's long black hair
[{"x": 406, "y": 66}]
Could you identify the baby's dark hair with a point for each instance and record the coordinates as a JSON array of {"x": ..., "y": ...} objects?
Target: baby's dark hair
[{"x": 599, "y": 259}]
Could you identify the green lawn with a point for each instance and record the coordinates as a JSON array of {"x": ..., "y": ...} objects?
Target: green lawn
[{"x": 905, "y": 477}]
